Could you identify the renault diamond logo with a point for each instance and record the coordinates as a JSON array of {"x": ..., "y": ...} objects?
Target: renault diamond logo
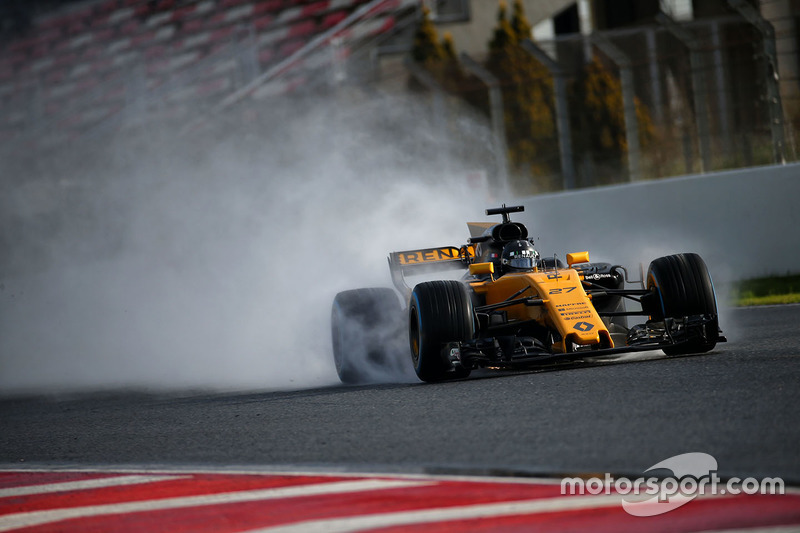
[{"x": 583, "y": 326}]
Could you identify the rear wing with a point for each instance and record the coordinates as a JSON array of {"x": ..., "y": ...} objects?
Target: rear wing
[{"x": 427, "y": 260}]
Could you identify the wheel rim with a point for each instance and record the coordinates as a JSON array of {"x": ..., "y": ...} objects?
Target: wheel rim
[{"x": 414, "y": 332}]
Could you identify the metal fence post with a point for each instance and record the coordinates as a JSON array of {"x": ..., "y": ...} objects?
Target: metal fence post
[
  {"x": 696, "y": 60},
  {"x": 655, "y": 76},
  {"x": 722, "y": 96},
  {"x": 771, "y": 76},
  {"x": 628, "y": 103},
  {"x": 562, "y": 111},
  {"x": 498, "y": 116}
]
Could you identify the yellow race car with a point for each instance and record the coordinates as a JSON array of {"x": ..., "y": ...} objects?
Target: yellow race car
[{"x": 513, "y": 309}]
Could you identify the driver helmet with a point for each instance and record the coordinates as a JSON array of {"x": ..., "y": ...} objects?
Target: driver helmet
[{"x": 519, "y": 256}]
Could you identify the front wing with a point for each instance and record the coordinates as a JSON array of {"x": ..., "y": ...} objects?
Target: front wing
[{"x": 515, "y": 352}]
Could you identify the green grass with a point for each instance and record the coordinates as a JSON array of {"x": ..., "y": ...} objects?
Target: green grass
[
  {"x": 773, "y": 299},
  {"x": 767, "y": 291}
]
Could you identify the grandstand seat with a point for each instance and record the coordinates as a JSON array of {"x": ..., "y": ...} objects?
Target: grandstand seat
[
  {"x": 266, "y": 56},
  {"x": 225, "y": 4},
  {"x": 290, "y": 47},
  {"x": 314, "y": 8},
  {"x": 234, "y": 14},
  {"x": 302, "y": 29},
  {"x": 94, "y": 45},
  {"x": 267, "y": 6},
  {"x": 221, "y": 34},
  {"x": 263, "y": 22},
  {"x": 332, "y": 19},
  {"x": 194, "y": 25},
  {"x": 165, "y": 5},
  {"x": 215, "y": 86}
]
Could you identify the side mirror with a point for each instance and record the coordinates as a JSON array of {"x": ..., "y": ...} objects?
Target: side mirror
[
  {"x": 481, "y": 268},
  {"x": 577, "y": 257}
]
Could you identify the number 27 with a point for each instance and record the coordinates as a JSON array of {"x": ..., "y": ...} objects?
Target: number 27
[{"x": 561, "y": 291}]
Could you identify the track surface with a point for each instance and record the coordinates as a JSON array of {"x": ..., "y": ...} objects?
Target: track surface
[{"x": 739, "y": 403}]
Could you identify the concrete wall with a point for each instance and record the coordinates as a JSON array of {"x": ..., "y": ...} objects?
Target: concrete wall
[{"x": 744, "y": 223}]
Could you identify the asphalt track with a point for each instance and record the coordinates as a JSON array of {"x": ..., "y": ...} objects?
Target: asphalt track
[{"x": 739, "y": 403}]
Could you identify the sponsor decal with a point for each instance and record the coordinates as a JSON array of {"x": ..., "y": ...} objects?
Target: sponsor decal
[
  {"x": 430, "y": 255},
  {"x": 597, "y": 276},
  {"x": 574, "y": 311}
]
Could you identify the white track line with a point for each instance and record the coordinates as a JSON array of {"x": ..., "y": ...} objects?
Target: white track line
[
  {"x": 404, "y": 518},
  {"x": 279, "y": 471},
  {"x": 85, "y": 484},
  {"x": 36, "y": 518},
  {"x": 757, "y": 529}
]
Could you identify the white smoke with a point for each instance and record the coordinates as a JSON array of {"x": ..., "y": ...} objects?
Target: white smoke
[{"x": 180, "y": 266}]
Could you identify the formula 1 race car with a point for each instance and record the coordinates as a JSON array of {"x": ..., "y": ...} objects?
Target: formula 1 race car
[{"x": 513, "y": 309}]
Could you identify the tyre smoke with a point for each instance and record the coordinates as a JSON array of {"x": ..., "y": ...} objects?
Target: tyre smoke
[{"x": 166, "y": 263}]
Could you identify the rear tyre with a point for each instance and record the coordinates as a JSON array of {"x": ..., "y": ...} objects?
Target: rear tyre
[
  {"x": 367, "y": 333},
  {"x": 682, "y": 288},
  {"x": 440, "y": 312}
]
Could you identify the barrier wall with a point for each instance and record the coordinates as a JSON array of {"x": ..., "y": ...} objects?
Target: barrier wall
[{"x": 745, "y": 223}]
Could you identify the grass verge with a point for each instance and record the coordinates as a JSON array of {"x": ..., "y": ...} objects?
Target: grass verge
[{"x": 774, "y": 290}]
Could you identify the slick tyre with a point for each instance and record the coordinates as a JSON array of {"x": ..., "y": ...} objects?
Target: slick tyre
[
  {"x": 681, "y": 287},
  {"x": 367, "y": 333},
  {"x": 440, "y": 312}
]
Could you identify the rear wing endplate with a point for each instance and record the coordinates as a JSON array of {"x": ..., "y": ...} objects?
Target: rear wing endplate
[{"x": 427, "y": 260}]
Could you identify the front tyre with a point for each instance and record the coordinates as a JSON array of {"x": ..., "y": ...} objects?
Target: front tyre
[
  {"x": 681, "y": 288},
  {"x": 367, "y": 334},
  {"x": 440, "y": 312}
]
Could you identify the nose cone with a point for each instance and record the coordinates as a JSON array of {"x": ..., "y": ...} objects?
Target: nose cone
[{"x": 585, "y": 333}]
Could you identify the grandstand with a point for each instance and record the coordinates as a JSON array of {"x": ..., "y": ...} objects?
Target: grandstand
[
  {"x": 68, "y": 70},
  {"x": 74, "y": 71}
]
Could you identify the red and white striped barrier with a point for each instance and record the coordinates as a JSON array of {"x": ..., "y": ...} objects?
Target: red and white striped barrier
[{"x": 182, "y": 501}]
